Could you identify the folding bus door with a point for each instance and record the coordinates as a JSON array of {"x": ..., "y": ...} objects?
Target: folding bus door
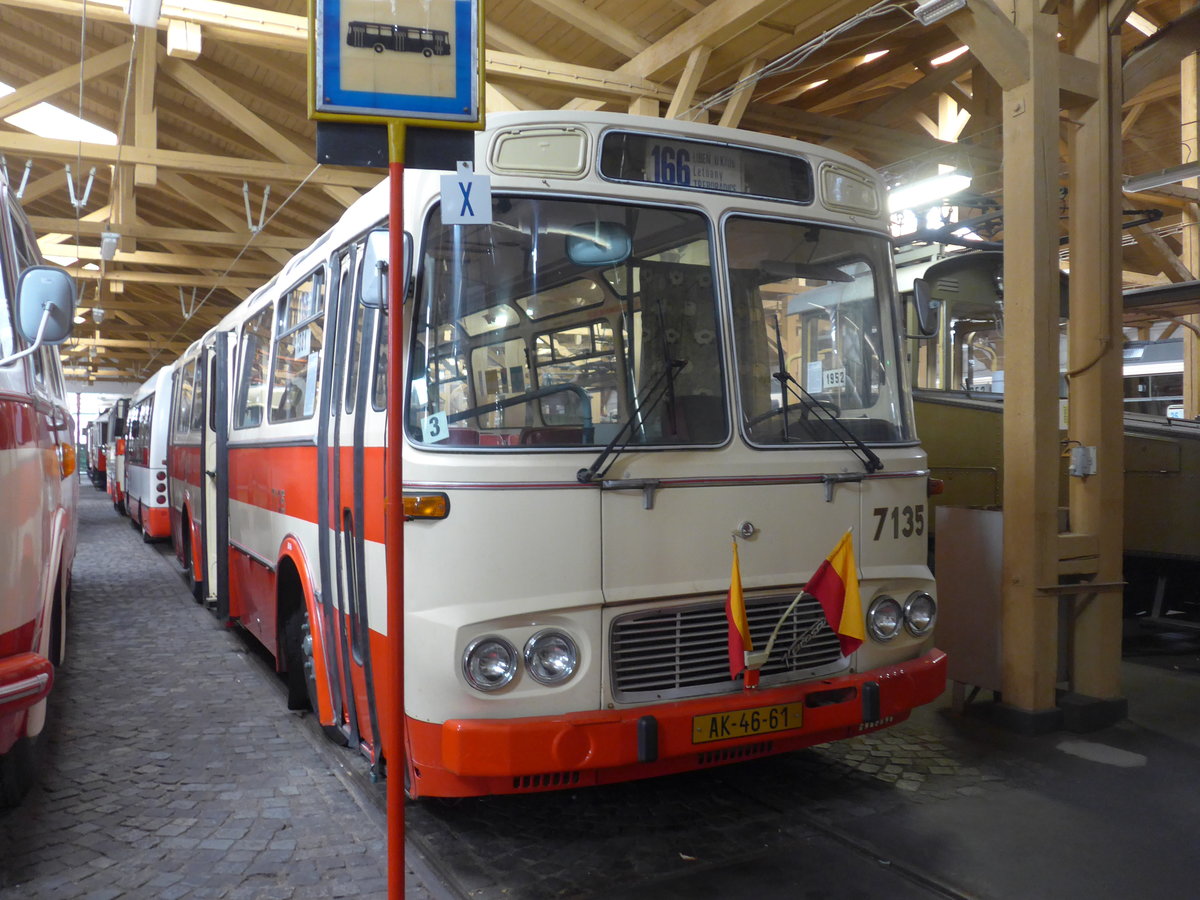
[{"x": 345, "y": 469}]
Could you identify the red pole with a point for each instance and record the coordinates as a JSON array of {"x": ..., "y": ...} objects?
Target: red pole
[{"x": 393, "y": 720}]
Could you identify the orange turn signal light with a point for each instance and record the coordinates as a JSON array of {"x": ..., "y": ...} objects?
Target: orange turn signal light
[
  {"x": 66, "y": 459},
  {"x": 935, "y": 487},
  {"x": 426, "y": 506}
]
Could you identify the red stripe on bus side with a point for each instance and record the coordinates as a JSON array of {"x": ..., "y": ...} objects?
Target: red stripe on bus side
[{"x": 284, "y": 480}]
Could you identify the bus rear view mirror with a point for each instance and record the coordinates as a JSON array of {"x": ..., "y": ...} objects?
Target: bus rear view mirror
[
  {"x": 598, "y": 244},
  {"x": 45, "y": 304},
  {"x": 373, "y": 280},
  {"x": 925, "y": 307}
]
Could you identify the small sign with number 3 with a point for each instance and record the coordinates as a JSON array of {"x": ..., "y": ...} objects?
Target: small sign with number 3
[{"x": 435, "y": 428}]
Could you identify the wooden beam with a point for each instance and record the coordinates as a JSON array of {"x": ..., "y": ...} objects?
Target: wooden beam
[
  {"x": 596, "y": 25},
  {"x": 225, "y": 166},
  {"x": 685, "y": 91},
  {"x": 735, "y": 106},
  {"x": 257, "y": 26},
  {"x": 145, "y": 116},
  {"x": 994, "y": 41},
  {"x": 237, "y": 239},
  {"x": 1160, "y": 56},
  {"x": 45, "y": 88},
  {"x": 575, "y": 79},
  {"x": 263, "y": 132}
]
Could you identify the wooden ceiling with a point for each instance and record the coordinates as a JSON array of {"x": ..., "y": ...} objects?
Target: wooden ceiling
[{"x": 204, "y": 139}]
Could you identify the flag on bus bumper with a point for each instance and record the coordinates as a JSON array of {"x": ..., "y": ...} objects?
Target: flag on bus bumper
[
  {"x": 739, "y": 627},
  {"x": 835, "y": 585}
]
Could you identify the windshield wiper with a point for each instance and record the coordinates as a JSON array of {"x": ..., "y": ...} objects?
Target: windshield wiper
[
  {"x": 644, "y": 404},
  {"x": 871, "y": 462}
]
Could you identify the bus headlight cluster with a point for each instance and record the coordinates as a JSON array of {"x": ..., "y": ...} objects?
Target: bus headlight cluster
[
  {"x": 490, "y": 663},
  {"x": 886, "y": 616}
]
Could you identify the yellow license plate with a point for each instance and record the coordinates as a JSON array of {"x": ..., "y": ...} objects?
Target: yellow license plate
[{"x": 743, "y": 722}]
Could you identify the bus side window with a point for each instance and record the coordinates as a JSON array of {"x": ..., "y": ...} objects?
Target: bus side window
[
  {"x": 298, "y": 351},
  {"x": 252, "y": 375},
  {"x": 183, "y": 400},
  {"x": 379, "y": 401}
]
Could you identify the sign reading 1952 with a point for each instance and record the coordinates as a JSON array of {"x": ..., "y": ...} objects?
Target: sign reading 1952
[{"x": 899, "y": 521}]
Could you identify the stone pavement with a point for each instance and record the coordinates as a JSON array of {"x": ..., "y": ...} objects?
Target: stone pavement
[{"x": 171, "y": 767}]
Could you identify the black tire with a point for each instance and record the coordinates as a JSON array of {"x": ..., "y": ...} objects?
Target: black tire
[
  {"x": 427, "y": 53},
  {"x": 55, "y": 654},
  {"x": 378, "y": 48},
  {"x": 18, "y": 769},
  {"x": 301, "y": 681}
]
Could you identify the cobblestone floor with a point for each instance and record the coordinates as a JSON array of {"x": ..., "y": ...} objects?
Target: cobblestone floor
[{"x": 171, "y": 768}]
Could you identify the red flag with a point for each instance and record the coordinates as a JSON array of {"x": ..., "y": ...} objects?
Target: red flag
[
  {"x": 835, "y": 585},
  {"x": 739, "y": 627}
]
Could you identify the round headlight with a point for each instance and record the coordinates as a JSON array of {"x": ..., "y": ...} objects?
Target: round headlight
[
  {"x": 920, "y": 610},
  {"x": 551, "y": 657},
  {"x": 490, "y": 663},
  {"x": 884, "y": 618}
]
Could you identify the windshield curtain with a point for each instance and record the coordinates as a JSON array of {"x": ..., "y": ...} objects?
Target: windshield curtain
[
  {"x": 814, "y": 333},
  {"x": 564, "y": 321}
]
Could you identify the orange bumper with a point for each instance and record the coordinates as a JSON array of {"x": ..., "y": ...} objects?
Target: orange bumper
[
  {"x": 470, "y": 757},
  {"x": 157, "y": 521}
]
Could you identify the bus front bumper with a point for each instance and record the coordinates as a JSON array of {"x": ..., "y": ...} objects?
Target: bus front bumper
[{"x": 466, "y": 757}]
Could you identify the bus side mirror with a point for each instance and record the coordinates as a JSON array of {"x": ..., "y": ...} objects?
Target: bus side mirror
[
  {"x": 45, "y": 308},
  {"x": 925, "y": 307},
  {"x": 373, "y": 280}
]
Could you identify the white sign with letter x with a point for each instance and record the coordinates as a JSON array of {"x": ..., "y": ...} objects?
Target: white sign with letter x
[{"x": 466, "y": 197}]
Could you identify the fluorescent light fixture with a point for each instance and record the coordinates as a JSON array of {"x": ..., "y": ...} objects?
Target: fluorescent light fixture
[
  {"x": 1151, "y": 180},
  {"x": 932, "y": 10},
  {"x": 927, "y": 191},
  {"x": 871, "y": 57},
  {"x": 108, "y": 244},
  {"x": 948, "y": 56},
  {"x": 143, "y": 12}
]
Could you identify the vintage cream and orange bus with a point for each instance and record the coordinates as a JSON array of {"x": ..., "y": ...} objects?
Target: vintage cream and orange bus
[
  {"x": 654, "y": 341},
  {"x": 146, "y": 456},
  {"x": 97, "y": 457},
  {"x": 39, "y": 487},
  {"x": 114, "y": 452}
]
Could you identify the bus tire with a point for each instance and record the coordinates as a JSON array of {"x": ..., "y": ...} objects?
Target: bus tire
[
  {"x": 427, "y": 53},
  {"x": 55, "y": 650},
  {"x": 301, "y": 682},
  {"x": 378, "y": 48},
  {"x": 17, "y": 770}
]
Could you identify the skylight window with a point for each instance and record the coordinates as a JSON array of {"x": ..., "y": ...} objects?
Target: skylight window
[{"x": 48, "y": 121}]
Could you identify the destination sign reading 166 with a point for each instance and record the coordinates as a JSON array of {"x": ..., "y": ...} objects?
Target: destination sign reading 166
[{"x": 706, "y": 168}]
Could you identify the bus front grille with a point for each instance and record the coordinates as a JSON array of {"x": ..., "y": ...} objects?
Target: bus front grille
[{"x": 683, "y": 651}]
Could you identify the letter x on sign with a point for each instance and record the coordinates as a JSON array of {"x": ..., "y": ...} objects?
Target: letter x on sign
[{"x": 466, "y": 197}]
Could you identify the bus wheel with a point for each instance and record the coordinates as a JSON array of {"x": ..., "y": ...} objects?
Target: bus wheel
[
  {"x": 301, "y": 679},
  {"x": 378, "y": 48},
  {"x": 17, "y": 770},
  {"x": 427, "y": 53}
]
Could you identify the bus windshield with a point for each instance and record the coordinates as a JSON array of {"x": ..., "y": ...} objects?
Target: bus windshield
[
  {"x": 563, "y": 323},
  {"x": 811, "y": 335}
]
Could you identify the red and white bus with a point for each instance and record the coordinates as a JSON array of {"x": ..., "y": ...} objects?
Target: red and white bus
[
  {"x": 146, "y": 456},
  {"x": 97, "y": 456},
  {"x": 657, "y": 339},
  {"x": 39, "y": 487},
  {"x": 114, "y": 452}
]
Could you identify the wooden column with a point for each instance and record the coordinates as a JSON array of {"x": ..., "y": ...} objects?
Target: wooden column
[
  {"x": 1189, "y": 108},
  {"x": 1094, "y": 368},
  {"x": 1029, "y": 626}
]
